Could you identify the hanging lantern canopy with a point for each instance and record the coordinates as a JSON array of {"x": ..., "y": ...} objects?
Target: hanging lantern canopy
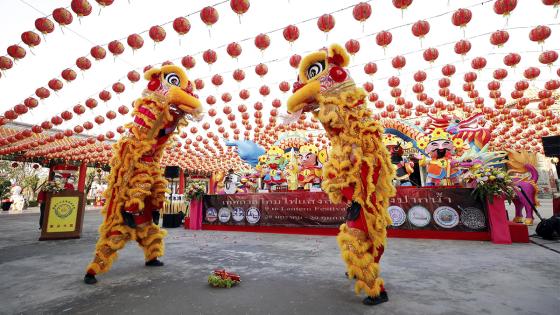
[
  {"x": 234, "y": 50},
  {"x": 157, "y": 33},
  {"x": 291, "y": 33},
  {"x": 62, "y": 16},
  {"x": 362, "y": 12},
  {"x": 44, "y": 25},
  {"x": 499, "y": 38},
  {"x": 30, "y": 38},
  {"x": 133, "y": 76},
  {"x": 420, "y": 29},
  {"x": 295, "y": 60},
  {"x": 135, "y": 41},
  {"x": 81, "y": 7},
  {"x": 262, "y": 41},
  {"x": 209, "y": 56},
  {"x": 539, "y": 34},
  {"x": 238, "y": 75},
  {"x": 188, "y": 62},
  {"x": 431, "y": 54},
  {"x": 240, "y": 7},
  {"x": 325, "y": 23},
  {"x": 352, "y": 46},
  {"x": 16, "y": 52},
  {"x": 98, "y": 52},
  {"x": 548, "y": 57}
]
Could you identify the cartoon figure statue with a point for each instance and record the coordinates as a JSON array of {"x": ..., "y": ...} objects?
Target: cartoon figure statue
[
  {"x": 521, "y": 163},
  {"x": 18, "y": 201},
  {"x": 274, "y": 167},
  {"x": 441, "y": 167},
  {"x": 309, "y": 169},
  {"x": 403, "y": 167},
  {"x": 358, "y": 171},
  {"x": 136, "y": 184}
]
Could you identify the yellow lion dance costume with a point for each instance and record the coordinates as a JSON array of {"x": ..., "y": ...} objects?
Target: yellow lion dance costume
[
  {"x": 359, "y": 169},
  {"x": 136, "y": 183}
]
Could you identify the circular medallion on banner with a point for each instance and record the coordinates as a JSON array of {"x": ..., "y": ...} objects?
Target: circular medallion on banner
[
  {"x": 63, "y": 209},
  {"x": 238, "y": 214},
  {"x": 253, "y": 215},
  {"x": 419, "y": 216},
  {"x": 446, "y": 217},
  {"x": 211, "y": 215},
  {"x": 473, "y": 218},
  {"x": 397, "y": 215},
  {"x": 224, "y": 214}
]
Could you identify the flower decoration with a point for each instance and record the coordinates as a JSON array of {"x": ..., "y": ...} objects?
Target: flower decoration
[
  {"x": 195, "y": 190},
  {"x": 53, "y": 187},
  {"x": 490, "y": 182},
  {"x": 223, "y": 279}
]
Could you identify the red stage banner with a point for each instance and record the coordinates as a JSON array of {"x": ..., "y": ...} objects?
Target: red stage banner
[{"x": 447, "y": 209}]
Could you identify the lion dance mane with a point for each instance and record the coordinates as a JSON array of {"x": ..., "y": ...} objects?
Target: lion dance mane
[
  {"x": 136, "y": 183},
  {"x": 359, "y": 168}
]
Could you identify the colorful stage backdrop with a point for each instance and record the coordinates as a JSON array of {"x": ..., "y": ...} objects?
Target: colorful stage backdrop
[{"x": 448, "y": 209}]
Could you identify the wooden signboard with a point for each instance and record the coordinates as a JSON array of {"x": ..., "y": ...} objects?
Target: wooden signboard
[{"x": 64, "y": 215}]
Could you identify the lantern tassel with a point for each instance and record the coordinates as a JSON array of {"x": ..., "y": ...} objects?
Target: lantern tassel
[
  {"x": 239, "y": 17},
  {"x": 363, "y": 26},
  {"x": 62, "y": 28}
]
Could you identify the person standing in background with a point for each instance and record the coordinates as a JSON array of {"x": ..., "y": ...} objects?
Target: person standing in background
[{"x": 41, "y": 199}]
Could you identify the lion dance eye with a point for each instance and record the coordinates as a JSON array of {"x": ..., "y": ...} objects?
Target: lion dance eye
[
  {"x": 315, "y": 69},
  {"x": 173, "y": 79}
]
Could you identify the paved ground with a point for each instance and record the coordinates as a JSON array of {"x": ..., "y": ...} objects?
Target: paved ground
[{"x": 282, "y": 274}]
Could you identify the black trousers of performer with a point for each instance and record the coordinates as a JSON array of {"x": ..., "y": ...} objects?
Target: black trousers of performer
[{"x": 42, "y": 210}]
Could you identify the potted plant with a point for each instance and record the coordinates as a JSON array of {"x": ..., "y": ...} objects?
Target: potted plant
[{"x": 493, "y": 186}]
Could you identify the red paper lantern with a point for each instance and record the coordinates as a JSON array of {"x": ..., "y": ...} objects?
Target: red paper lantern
[
  {"x": 66, "y": 115},
  {"x": 188, "y": 62},
  {"x": 240, "y": 7},
  {"x": 81, "y": 7},
  {"x": 31, "y": 102},
  {"x": 264, "y": 90},
  {"x": 512, "y": 59},
  {"x": 504, "y": 7},
  {"x": 244, "y": 94},
  {"x": 55, "y": 84},
  {"x": 431, "y": 54},
  {"x": 105, "y": 95},
  {"x": 210, "y": 100},
  {"x": 370, "y": 68},
  {"x": 478, "y": 63},
  {"x": 361, "y": 11},
  {"x": 393, "y": 81},
  {"x": 99, "y": 119},
  {"x": 521, "y": 85},
  {"x": 262, "y": 41},
  {"x": 10, "y": 114},
  {"x": 226, "y": 97},
  {"x": 209, "y": 15},
  {"x": 79, "y": 109},
  {"x": 448, "y": 70},
  {"x": 111, "y": 115},
  {"x": 470, "y": 77},
  {"x": 68, "y": 75},
  {"x": 444, "y": 82},
  {"x": 420, "y": 76},
  {"x": 238, "y": 75},
  {"x": 352, "y": 46},
  {"x": 98, "y": 52},
  {"x": 295, "y": 60},
  {"x": 461, "y": 17},
  {"x": 368, "y": 86},
  {"x": 118, "y": 87},
  {"x": 104, "y": 3},
  {"x": 552, "y": 85},
  {"x": 209, "y": 56},
  {"x": 398, "y": 62},
  {"x": 135, "y": 41},
  {"x": 181, "y": 25},
  {"x": 284, "y": 86},
  {"x": 5, "y": 63},
  {"x": 217, "y": 80},
  {"x": 531, "y": 73},
  {"x": 384, "y": 38},
  {"x": 548, "y": 57},
  {"x": 462, "y": 47},
  {"x": 539, "y": 34},
  {"x": 199, "y": 84},
  {"x": 420, "y": 29},
  {"x": 261, "y": 69},
  {"x": 30, "y": 38},
  {"x": 116, "y": 47},
  {"x": 234, "y": 49},
  {"x": 500, "y": 74},
  {"x": 133, "y": 76},
  {"x": 62, "y": 16},
  {"x": 57, "y": 120},
  {"x": 44, "y": 25},
  {"x": 83, "y": 63},
  {"x": 157, "y": 33},
  {"x": 123, "y": 110},
  {"x": 291, "y": 33},
  {"x": 20, "y": 109},
  {"x": 42, "y": 93},
  {"x": 91, "y": 103},
  {"x": 499, "y": 38},
  {"x": 15, "y": 51},
  {"x": 325, "y": 23}
]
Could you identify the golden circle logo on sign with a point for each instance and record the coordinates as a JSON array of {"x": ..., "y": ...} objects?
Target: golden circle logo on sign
[{"x": 63, "y": 214}]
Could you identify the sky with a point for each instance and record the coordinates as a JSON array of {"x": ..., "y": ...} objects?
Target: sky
[{"x": 60, "y": 49}]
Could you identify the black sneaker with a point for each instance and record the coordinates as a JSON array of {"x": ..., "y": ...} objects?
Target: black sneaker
[
  {"x": 154, "y": 263},
  {"x": 90, "y": 279},
  {"x": 381, "y": 298},
  {"x": 348, "y": 276}
]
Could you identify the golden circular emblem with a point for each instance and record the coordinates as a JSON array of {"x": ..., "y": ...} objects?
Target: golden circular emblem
[{"x": 63, "y": 209}]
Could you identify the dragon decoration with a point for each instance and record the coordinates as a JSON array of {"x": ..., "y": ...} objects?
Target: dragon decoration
[
  {"x": 358, "y": 170},
  {"x": 136, "y": 183}
]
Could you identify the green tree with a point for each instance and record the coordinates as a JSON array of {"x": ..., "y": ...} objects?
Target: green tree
[
  {"x": 5, "y": 188},
  {"x": 90, "y": 177}
]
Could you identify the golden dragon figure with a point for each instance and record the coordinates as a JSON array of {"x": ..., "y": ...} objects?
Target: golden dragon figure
[
  {"x": 136, "y": 183},
  {"x": 359, "y": 169}
]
